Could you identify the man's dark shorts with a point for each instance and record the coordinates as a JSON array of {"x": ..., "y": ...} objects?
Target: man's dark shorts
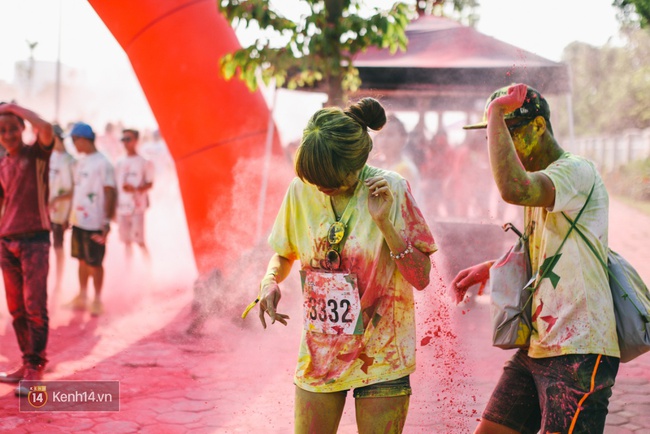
[
  {"x": 57, "y": 235},
  {"x": 545, "y": 394},
  {"x": 85, "y": 249}
]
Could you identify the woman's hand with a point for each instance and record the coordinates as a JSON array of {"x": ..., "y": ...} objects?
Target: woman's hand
[
  {"x": 467, "y": 278},
  {"x": 380, "y": 198},
  {"x": 269, "y": 299}
]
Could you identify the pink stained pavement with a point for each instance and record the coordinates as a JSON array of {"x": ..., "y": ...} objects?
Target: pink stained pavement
[{"x": 237, "y": 378}]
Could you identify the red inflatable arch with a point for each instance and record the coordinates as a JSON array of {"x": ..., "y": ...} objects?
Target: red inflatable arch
[{"x": 209, "y": 124}]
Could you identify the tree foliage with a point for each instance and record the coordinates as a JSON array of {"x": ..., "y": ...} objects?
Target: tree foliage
[
  {"x": 461, "y": 10},
  {"x": 632, "y": 12},
  {"x": 321, "y": 46},
  {"x": 610, "y": 85}
]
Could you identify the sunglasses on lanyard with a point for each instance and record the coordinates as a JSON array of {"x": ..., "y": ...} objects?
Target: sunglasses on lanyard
[{"x": 335, "y": 235}]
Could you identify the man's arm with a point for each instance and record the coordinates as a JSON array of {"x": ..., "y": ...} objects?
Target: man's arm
[
  {"x": 147, "y": 183},
  {"x": 43, "y": 129},
  {"x": 469, "y": 277},
  {"x": 516, "y": 185},
  {"x": 144, "y": 187},
  {"x": 110, "y": 200},
  {"x": 109, "y": 212}
]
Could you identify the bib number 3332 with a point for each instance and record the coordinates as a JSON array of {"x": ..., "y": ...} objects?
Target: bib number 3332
[{"x": 331, "y": 303}]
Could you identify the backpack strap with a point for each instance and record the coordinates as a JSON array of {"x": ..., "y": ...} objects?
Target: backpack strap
[
  {"x": 606, "y": 267},
  {"x": 573, "y": 226}
]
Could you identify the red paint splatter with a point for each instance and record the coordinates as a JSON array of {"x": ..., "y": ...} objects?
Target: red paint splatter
[
  {"x": 425, "y": 341},
  {"x": 367, "y": 362},
  {"x": 550, "y": 320},
  {"x": 538, "y": 310},
  {"x": 347, "y": 357}
]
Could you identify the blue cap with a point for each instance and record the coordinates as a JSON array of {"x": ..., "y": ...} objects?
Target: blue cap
[{"x": 81, "y": 129}]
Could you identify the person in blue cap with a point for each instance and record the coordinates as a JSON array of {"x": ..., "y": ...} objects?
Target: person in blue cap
[
  {"x": 25, "y": 236},
  {"x": 93, "y": 208}
]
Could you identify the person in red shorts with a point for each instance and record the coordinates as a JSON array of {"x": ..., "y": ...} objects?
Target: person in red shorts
[{"x": 25, "y": 235}]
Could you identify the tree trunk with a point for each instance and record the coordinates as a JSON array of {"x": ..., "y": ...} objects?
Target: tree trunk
[{"x": 335, "y": 94}]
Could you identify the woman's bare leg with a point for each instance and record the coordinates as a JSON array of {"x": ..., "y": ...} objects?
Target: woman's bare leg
[{"x": 318, "y": 413}]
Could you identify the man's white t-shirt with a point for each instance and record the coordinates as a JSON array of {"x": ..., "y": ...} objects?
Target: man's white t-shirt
[
  {"x": 61, "y": 179},
  {"x": 572, "y": 308},
  {"x": 92, "y": 174},
  {"x": 134, "y": 170}
]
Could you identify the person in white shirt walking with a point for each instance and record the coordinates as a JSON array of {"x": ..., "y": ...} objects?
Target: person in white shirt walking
[
  {"x": 134, "y": 175},
  {"x": 60, "y": 200}
]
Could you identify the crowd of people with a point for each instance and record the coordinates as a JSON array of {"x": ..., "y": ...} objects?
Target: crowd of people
[
  {"x": 437, "y": 171},
  {"x": 45, "y": 191},
  {"x": 363, "y": 245}
]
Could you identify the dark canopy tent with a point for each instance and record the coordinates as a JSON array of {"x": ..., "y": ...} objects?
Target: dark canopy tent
[{"x": 449, "y": 66}]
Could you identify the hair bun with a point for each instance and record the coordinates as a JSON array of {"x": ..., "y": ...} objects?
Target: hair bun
[{"x": 368, "y": 112}]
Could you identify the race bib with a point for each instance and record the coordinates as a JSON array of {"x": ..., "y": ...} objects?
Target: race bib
[{"x": 331, "y": 303}]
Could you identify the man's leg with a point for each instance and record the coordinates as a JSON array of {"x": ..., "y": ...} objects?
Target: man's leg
[
  {"x": 128, "y": 252},
  {"x": 13, "y": 281},
  {"x": 144, "y": 250},
  {"x": 95, "y": 258},
  {"x": 514, "y": 404},
  {"x": 487, "y": 427},
  {"x": 59, "y": 255},
  {"x": 138, "y": 234},
  {"x": 35, "y": 260},
  {"x": 78, "y": 250},
  {"x": 124, "y": 226},
  {"x": 575, "y": 392},
  {"x": 97, "y": 274},
  {"x": 84, "y": 275}
]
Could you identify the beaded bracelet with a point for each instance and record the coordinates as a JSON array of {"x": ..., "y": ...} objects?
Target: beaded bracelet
[{"x": 409, "y": 249}]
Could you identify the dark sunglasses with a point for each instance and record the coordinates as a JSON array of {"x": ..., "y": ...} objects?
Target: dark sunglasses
[
  {"x": 513, "y": 127},
  {"x": 335, "y": 235},
  {"x": 126, "y": 139}
]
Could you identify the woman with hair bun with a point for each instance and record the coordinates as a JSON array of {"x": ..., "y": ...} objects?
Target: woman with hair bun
[{"x": 363, "y": 244}]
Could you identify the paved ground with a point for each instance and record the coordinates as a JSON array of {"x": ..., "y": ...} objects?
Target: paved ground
[{"x": 236, "y": 378}]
